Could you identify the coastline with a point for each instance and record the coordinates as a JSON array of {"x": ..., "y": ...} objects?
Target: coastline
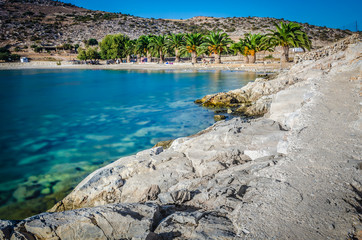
[
  {"x": 259, "y": 67},
  {"x": 257, "y": 179}
]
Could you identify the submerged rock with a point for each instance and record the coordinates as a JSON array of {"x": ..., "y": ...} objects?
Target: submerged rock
[
  {"x": 165, "y": 144},
  {"x": 219, "y": 117}
]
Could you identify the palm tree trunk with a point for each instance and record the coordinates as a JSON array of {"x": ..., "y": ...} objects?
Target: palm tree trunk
[
  {"x": 246, "y": 59},
  {"x": 149, "y": 57},
  {"x": 285, "y": 54},
  {"x": 161, "y": 57},
  {"x": 138, "y": 58},
  {"x": 217, "y": 58},
  {"x": 193, "y": 57},
  {"x": 253, "y": 58},
  {"x": 239, "y": 56},
  {"x": 128, "y": 58},
  {"x": 177, "y": 56}
]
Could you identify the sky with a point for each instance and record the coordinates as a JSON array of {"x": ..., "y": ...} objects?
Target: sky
[{"x": 332, "y": 13}]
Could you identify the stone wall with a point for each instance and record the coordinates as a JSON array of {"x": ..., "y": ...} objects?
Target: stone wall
[{"x": 328, "y": 50}]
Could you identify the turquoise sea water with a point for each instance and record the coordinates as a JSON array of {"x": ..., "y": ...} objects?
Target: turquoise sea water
[{"x": 56, "y": 126}]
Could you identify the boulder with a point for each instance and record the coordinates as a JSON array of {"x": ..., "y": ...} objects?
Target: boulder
[
  {"x": 115, "y": 221},
  {"x": 196, "y": 225},
  {"x": 219, "y": 117}
]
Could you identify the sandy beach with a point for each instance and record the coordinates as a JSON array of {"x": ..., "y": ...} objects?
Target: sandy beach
[{"x": 258, "y": 67}]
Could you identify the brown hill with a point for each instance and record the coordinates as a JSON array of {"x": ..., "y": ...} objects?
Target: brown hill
[{"x": 47, "y": 22}]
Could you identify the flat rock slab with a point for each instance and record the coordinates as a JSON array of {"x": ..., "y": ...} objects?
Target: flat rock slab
[
  {"x": 115, "y": 221},
  {"x": 196, "y": 225}
]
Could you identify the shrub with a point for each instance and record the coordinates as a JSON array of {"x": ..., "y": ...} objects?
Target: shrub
[
  {"x": 67, "y": 46},
  {"x": 37, "y": 49},
  {"x": 92, "y": 42},
  {"x": 6, "y": 55},
  {"x": 14, "y": 57}
]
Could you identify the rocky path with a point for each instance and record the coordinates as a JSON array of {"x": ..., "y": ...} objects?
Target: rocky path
[{"x": 315, "y": 191}]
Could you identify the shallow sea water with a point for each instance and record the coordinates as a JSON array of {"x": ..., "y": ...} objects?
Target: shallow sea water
[{"x": 56, "y": 126}]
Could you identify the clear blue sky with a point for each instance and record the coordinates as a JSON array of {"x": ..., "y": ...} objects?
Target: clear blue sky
[{"x": 332, "y": 13}]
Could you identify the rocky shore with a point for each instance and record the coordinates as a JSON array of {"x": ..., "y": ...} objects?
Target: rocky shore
[{"x": 294, "y": 173}]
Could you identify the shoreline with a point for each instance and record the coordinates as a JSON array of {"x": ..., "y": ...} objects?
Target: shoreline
[
  {"x": 259, "y": 67},
  {"x": 290, "y": 174}
]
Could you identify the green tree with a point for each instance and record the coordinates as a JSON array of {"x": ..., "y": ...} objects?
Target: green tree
[
  {"x": 288, "y": 35},
  {"x": 92, "y": 54},
  {"x": 112, "y": 46},
  {"x": 158, "y": 45},
  {"x": 82, "y": 54},
  {"x": 129, "y": 47},
  {"x": 144, "y": 42},
  {"x": 107, "y": 50},
  {"x": 141, "y": 47},
  {"x": 217, "y": 43},
  {"x": 14, "y": 57},
  {"x": 4, "y": 54},
  {"x": 118, "y": 45},
  {"x": 193, "y": 45},
  {"x": 175, "y": 42},
  {"x": 88, "y": 54}
]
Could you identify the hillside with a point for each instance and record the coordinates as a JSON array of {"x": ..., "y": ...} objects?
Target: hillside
[{"x": 49, "y": 23}]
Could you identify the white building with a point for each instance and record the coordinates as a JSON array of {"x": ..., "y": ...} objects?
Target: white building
[
  {"x": 297, "y": 50},
  {"x": 24, "y": 59}
]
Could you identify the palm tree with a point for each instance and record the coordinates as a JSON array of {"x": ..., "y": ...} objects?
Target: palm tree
[
  {"x": 193, "y": 45},
  {"x": 288, "y": 35},
  {"x": 129, "y": 47},
  {"x": 241, "y": 48},
  {"x": 158, "y": 45},
  {"x": 142, "y": 47},
  {"x": 256, "y": 43},
  {"x": 139, "y": 48},
  {"x": 176, "y": 41},
  {"x": 217, "y": 43},
  {"x": 147, "y": 41}
]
